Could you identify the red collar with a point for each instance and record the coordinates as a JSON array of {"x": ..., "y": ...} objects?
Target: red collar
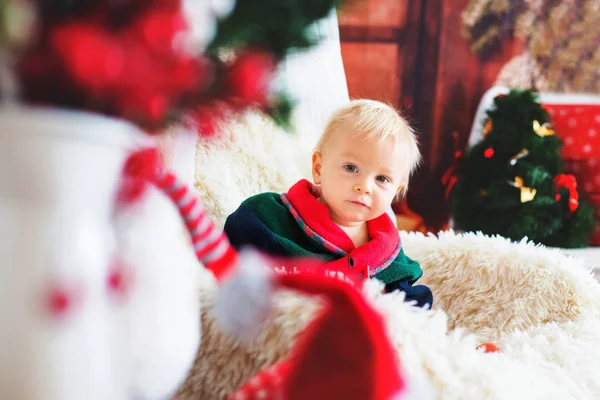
[{"x": 304, "y": 197}]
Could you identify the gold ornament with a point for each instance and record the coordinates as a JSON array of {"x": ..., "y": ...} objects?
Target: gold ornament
[
  {"x": 543, "y": 130},
  {"x": 487, "y": 128},
  {"x": 522, "y": 153},
  {"x": 484, "y": 193},
  {"x": 527, "y": 194}
]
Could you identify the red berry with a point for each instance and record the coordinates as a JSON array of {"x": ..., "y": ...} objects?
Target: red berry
[
  {"x": 488, "y": 347},
  {"x": 250, "y": 76},
  {"x": 93, "y": 57}
]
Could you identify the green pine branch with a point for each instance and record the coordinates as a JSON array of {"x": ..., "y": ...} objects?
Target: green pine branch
[{"x": 279, "y": 26}]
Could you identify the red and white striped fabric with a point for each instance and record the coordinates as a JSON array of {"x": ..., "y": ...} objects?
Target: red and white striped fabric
[{"x": 210, "y": 244}]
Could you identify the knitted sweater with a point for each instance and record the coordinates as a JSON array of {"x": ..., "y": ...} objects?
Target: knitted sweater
[{"x": 296, "y": 224}]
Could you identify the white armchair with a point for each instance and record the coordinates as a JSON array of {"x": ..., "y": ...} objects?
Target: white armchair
[{"x": 540, "y": 307}]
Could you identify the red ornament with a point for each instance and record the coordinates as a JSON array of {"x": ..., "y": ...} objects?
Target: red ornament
[
  {"x": 137, "y": 71},
  {"x": 129, "y": 59},
  {"x": 156, "y": 107},
  {"x": 569, "y": 182},
  {"x": 573, "y": 204},
  {"x": 488, "y": 153},
  {"x": 250, "y": 75},
  {"x": 90, "y": 55},
  {"x": 488, "y": 347},
  {"x": 190, "y": 74},
  {"x": 160, "y": 27}
]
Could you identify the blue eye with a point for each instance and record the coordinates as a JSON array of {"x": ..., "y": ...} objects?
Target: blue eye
[
  {"x": 382, "y": 179},
  {"x": 350, "y": 168}
]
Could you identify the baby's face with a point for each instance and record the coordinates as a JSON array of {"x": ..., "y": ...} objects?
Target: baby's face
[{"x": 359, "y": 177}]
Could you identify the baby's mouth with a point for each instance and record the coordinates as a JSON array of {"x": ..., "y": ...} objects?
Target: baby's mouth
[{"x": 358, "y": 203}]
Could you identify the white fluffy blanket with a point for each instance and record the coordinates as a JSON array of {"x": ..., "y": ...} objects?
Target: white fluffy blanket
[{"x": 542, "y": 308}]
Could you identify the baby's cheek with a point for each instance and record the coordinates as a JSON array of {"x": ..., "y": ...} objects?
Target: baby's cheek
[
  {"x": 384, "y": 203},
  {"x": 330, "y": 195}
]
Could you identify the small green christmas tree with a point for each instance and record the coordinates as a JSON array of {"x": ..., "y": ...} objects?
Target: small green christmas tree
[{"x": 510, "y": 183}]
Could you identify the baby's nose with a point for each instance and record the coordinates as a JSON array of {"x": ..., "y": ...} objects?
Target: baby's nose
[{"x": 362, "y": 187}]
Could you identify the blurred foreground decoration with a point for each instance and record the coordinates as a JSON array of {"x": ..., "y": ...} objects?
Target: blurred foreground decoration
[
  {"x": 155, "y": 61},
  {"x": 99, "y": 297}
]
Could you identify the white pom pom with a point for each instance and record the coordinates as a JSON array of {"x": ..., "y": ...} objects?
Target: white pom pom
[{"x": 244, "y": 299}]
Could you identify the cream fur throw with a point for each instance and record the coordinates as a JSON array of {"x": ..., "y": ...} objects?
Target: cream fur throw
[{"x": 541, "y": 307}]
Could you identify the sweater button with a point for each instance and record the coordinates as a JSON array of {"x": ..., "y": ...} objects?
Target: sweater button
[{"x": 351, "y": 262}]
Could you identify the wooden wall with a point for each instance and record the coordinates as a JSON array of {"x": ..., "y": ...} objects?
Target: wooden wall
[{"x": 411, "y": 53}]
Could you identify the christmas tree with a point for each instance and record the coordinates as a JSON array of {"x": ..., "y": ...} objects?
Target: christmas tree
[{"x": 511, "y": 182}]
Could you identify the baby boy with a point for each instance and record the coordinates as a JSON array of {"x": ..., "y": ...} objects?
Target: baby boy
[{"x": 362, "y": 162}]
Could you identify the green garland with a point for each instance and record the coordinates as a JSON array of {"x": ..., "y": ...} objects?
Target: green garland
[
  {"x": 278, "y": 26},
  {"x": 486, "y": 198}
]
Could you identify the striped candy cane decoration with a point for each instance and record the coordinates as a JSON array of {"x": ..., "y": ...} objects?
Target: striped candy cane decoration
[{"x": 211, "y": 246}]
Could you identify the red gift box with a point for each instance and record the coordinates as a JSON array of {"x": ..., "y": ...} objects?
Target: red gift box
[
  {"x": 578, "y": 125},
  {"x": 587, "y": 173}
]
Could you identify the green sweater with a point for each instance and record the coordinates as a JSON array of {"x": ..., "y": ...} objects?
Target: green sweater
[{"x": 296, "y": 224}]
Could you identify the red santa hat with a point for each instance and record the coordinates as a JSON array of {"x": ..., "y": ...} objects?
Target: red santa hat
[{"x": 344, "y": 353}]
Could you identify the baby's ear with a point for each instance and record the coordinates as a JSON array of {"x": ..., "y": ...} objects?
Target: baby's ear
[
  {"x": 316, "y": 167},
  {"x": 400, "y": 192}
]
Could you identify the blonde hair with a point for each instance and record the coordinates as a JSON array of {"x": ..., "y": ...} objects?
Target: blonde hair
[{"x": 375, "y": 120}]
